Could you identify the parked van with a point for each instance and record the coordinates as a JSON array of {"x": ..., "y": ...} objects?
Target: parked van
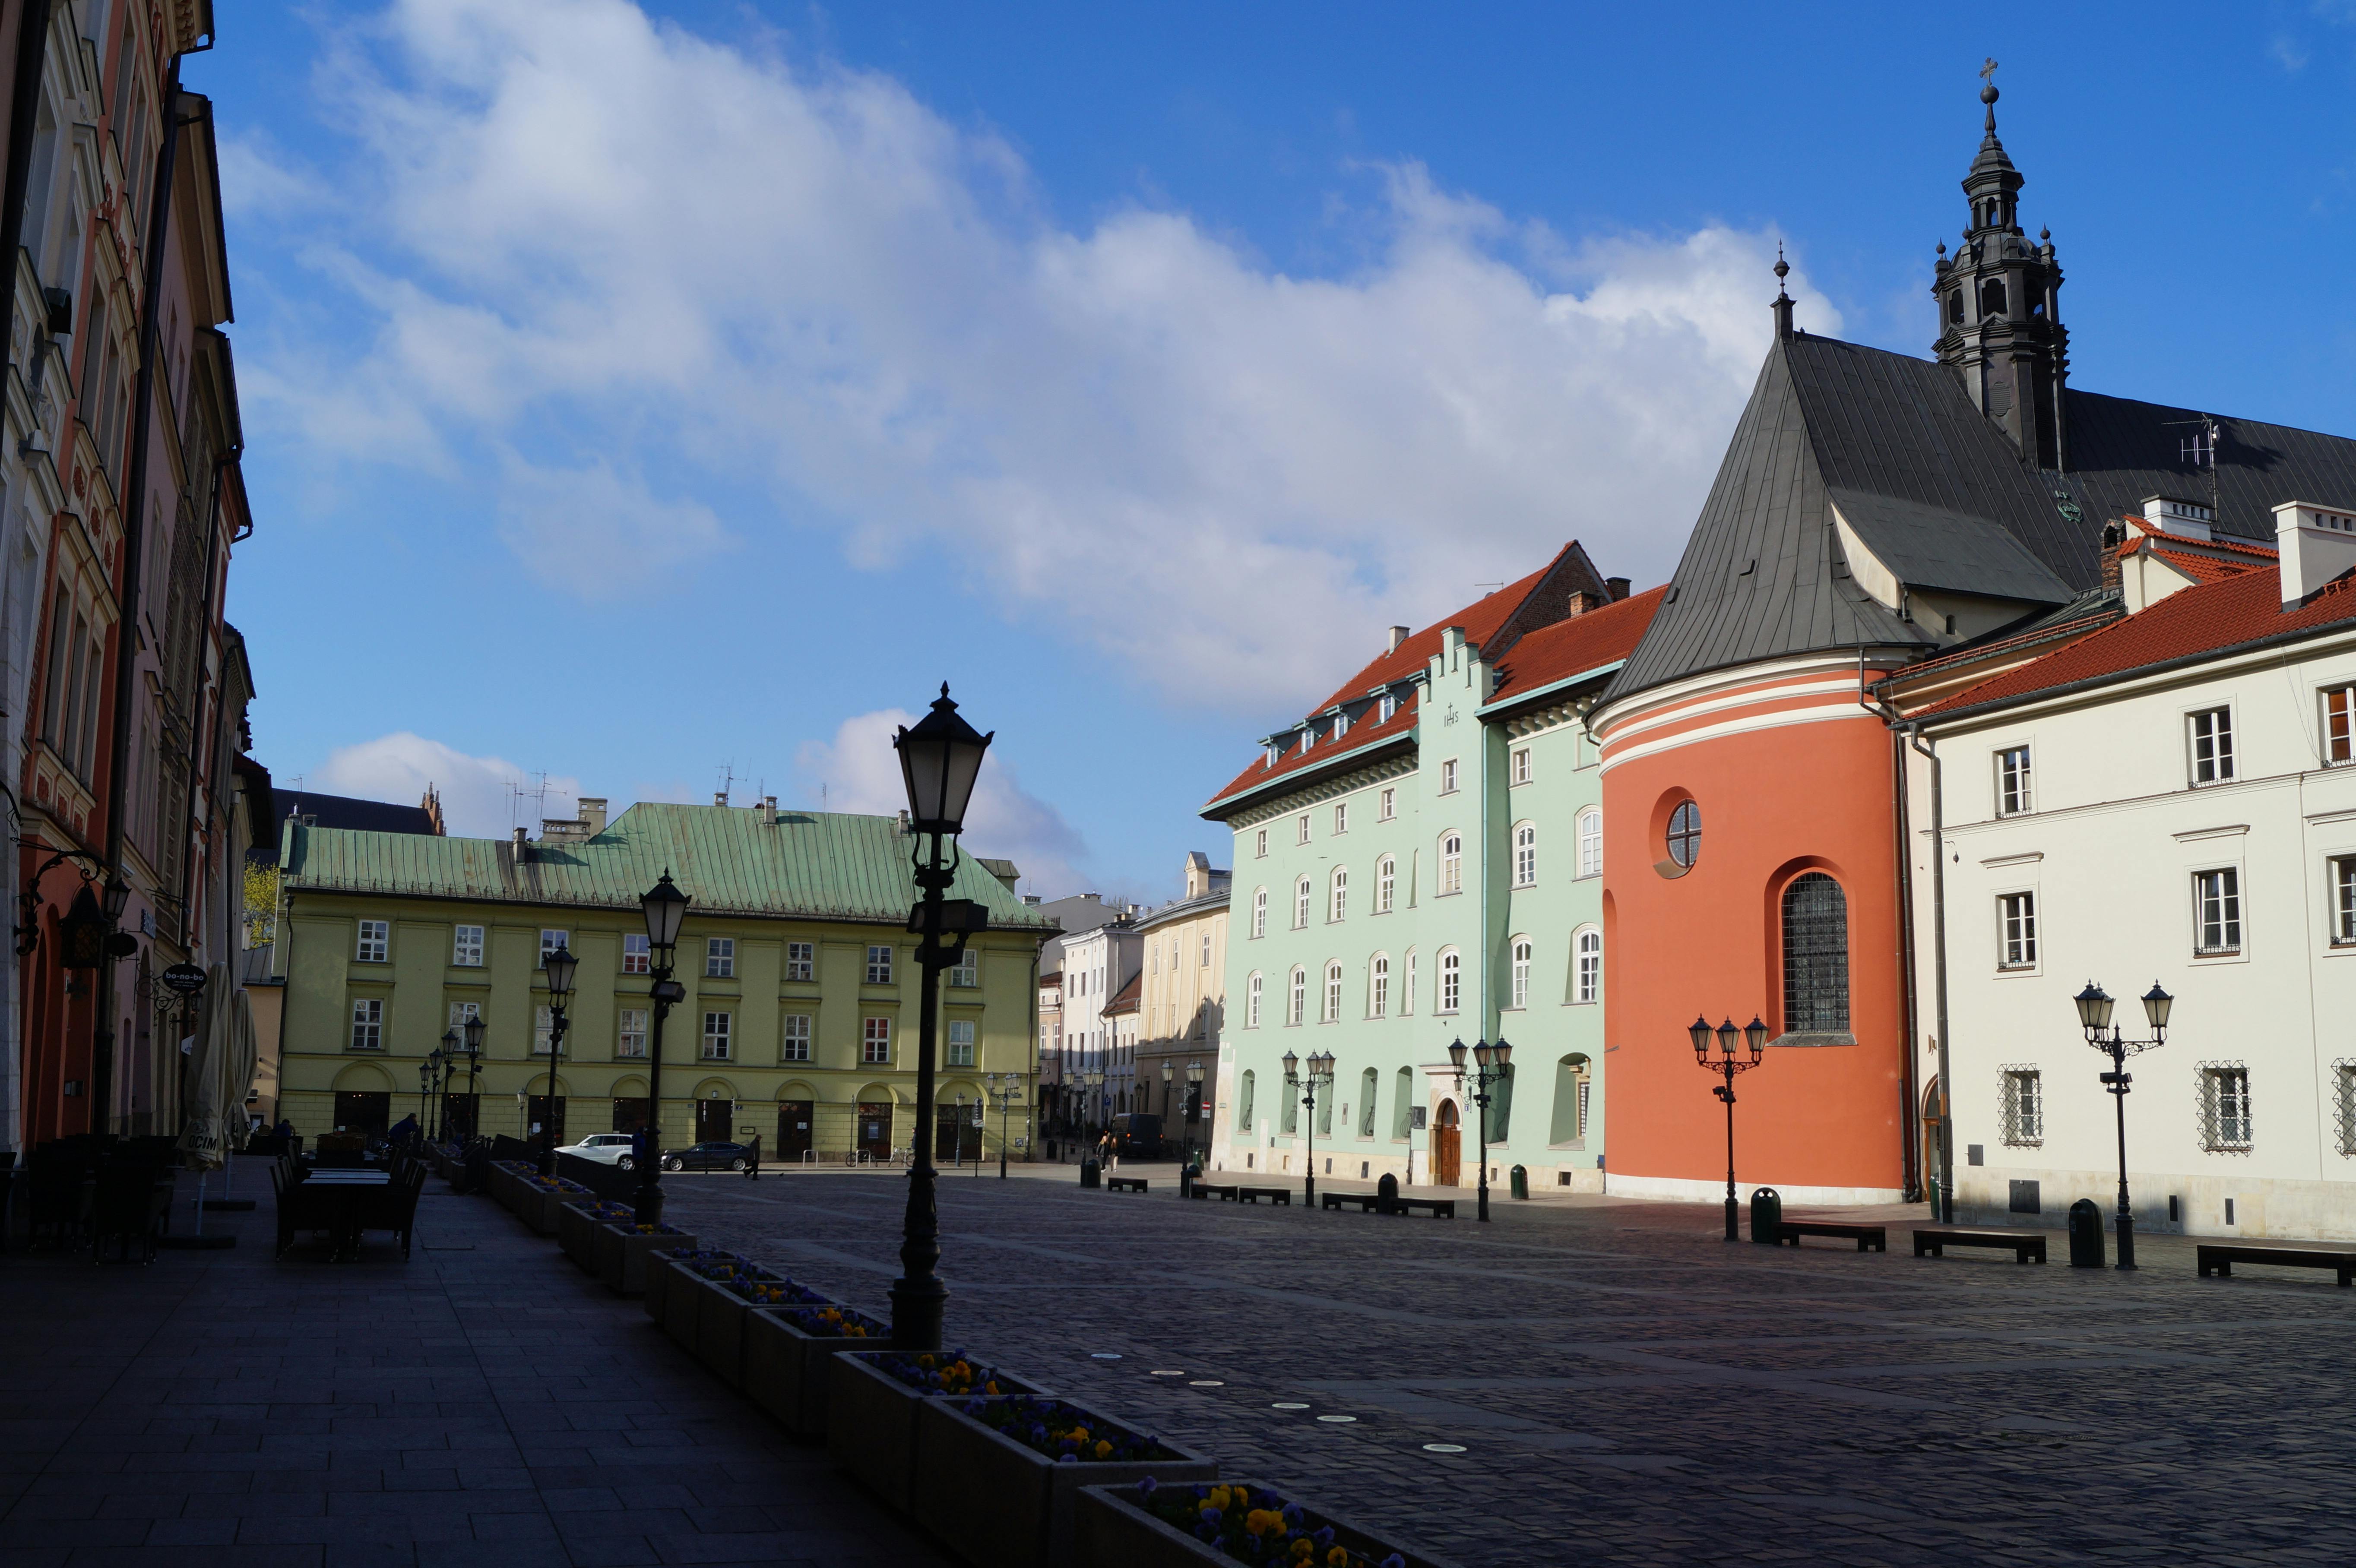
[{"x": 1136, "y": 1135}]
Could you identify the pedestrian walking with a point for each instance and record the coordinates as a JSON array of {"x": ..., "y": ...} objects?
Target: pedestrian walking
[{"x": 752, "y": 1159}]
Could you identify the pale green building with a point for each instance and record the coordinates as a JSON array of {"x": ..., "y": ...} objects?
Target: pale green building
[{"x": 1420, "y": 861}]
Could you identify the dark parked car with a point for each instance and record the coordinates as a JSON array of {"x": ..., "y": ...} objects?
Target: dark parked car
[
  {"x": 707, "y": 1157},
  {"x": 1136, "y": 1135}
]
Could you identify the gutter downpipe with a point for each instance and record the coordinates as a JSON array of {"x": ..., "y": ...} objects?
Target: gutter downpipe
[
  {"x": 1909, "y": 1150},
  {"x": 1939, "y": 971}
]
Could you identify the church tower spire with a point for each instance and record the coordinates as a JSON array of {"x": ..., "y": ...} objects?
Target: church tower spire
[{"x": 1999, "y": 307}]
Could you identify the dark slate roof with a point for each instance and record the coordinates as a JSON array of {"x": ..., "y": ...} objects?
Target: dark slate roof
[
  {"x": 344, "y": 811},
  {"x": 1935, "y": 490}
]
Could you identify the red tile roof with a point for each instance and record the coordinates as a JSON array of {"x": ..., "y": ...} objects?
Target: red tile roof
[
  {"x": 1571, "y": 647},
  {"x": 1128, "y": 999},
  {"x": 2209, "y": 618},
  {"x": 2215, "y": 541}
]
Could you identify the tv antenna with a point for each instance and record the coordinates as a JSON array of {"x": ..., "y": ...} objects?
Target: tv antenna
[{"x": 727, "y": 780}]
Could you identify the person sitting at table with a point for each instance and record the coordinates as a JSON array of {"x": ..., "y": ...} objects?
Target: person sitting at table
[{"x": 404, "y": 1132}]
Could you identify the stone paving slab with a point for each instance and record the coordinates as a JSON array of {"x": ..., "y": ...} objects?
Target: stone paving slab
[
  {"x": 484, "y": 1406},
  {"x": 1628, "y": 1387}
]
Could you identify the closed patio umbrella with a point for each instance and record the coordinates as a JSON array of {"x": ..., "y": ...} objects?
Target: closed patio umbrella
[{"x": 202, "y": 1137}]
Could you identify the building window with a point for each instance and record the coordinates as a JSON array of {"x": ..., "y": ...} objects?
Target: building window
[
  {"x": 879, "y": 965},
  {"x": 1525, "y": 854},
  {"x": 2343, "y": 900},
  {"x": 1260, "y": 844},
  {"x": 1251, "y": 1002},
  {"x": 460, "y": 1012},
  {"x": 368, "y": 1024},
  {"x": 1685, "y": 834},
  {"x": 1386, "y": 884},
  {"x": 1447, "y": 776},
  {"x": 466, "y": 946},
  {"x": 1587, "y": 972},
  {"x": 1452, "y": 864},
  {"x": 2211, "y": 735},
  {"x": 1816, "y": 956},
  {"x": 1301, "y": 905},
  {"x": 550, "y": 942},
  {"x": 1451, "y": 977},
  {"x": 543, "y": 1030},
  {"x": 2343, "y": 1084},
  {"x": 376, "y": 939},
  {"x": 1300, "y": 1005},
  {"x": 1590, "y": 843},
  {"x": 2225, "y": 1107},
  {"x": 1341, "y": 816},
  {"x": 960, "y": 1042},
  {"x": 2217, "y": 911},
  {"x": 1341, "y": 893},
  {"x": 1333, "y": 993},
  {"x": 1406, "y": 987},
  {"x": 632, "y": 1038},
  {"x": 2021, "y": 1119},
  {"x": 1385, "y": 706},
  {"x": 720, "y": 958},
  {"x": 637, "y": 956},
  {"x": 1207, "y": 949},
  {"x": 1341, "y": 725},
  {"x": 875, "y": 1041},
  {"x": 1519, "y": 990},
  {"x": 2340, "y": 726},
  {"x": 967, "y": 970},
  {"x": 1301, "y": 828},
  {"x": 797, "y": 1043},
  {"x": 1259, "y": 913},
  {"x": 1378, "y": 988},
  {"x": 801, "y": 960},
  {"x": 716, "y": 1027},
  {"x": 1387, "y": 806},
  {"x": 1522, "y": 765},
  {"x": 2015, "y": 919},
  {"x": 2012, "y": 792}
]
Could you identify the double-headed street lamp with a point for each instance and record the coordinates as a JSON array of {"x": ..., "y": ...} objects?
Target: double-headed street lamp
[
  {"x": 474, "y": 1028},
  {"x": 1193, "y": 1108},
  {"x": 940, "y": 759},
  {"x": 665, "y": 908},
  {"x": 1005, "y": 1099},
  {"x": 1490, "y": 1066},
  {"x": 559, "y": 965},
  {"x": 1319, "y": 1076},
  {"x": 1726, "y": 1064},
  {"x": 2095, "y": 1016}
]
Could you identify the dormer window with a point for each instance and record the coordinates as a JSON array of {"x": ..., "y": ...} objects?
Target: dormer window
[
  {"x": 1387, "y": 705},
  {"x": 1275, "y": 753},
  {"x": 1307, "y": 739},
  {"x": 1341, "y": 725}
]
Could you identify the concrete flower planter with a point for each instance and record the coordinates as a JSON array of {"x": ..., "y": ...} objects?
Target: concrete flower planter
[
  {"x": 873, "y": 1421},
  {"x": 789, "y": 1372},
  {"x": 1110, "y": 1530},
  {"x": 576, "y": 1230},
  {"x": 659, "y": 1265},
  {"x": 720, "y": 1325},
  {"x": 1003, "y": 1504},
  {"x": 622, "y": 1253}
]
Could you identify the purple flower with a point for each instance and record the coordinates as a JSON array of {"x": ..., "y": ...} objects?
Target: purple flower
[
  {"x": 1146, "y": 1488},
  {"x": 1067, "y": 1457},
  {"x": 1293, "y": 1515},
  {"x": 1395, "y": 1561},
  {"x": 1206, "y": 1532},
  {"x": 1323, "y": 1538},
  {"x": 1211, "y": 1516}
]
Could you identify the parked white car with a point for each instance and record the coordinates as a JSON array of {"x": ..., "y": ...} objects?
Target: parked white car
[{"x": 605, "y": 1148}]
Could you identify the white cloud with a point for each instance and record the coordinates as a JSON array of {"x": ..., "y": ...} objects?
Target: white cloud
[
  {"x": 571, "y": 527},
  {"x": 793, "y": 279},
  {"x": 476, "y": 800},
  {"x": 858, "y": 771}
]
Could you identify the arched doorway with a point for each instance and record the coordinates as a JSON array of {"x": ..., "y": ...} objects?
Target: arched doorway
[
  {"x": 1447, "y": 1147},
  {"x": 1930, "y": 1166}
]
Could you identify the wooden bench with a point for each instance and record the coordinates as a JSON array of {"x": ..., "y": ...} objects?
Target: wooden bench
[
  {"x": 1210, "y": 1190},
  {"x": 1372, "y": 1202},
  {"x": 1875, "y": 1238},
  {"x": 1273, "y": 1194},
  {"x": 1124, "y": 1184},
  {"x": 2219, "y": 1258},
  {"x": 2028, "y": 1246},
  {"x": 1438, "y": 1208}
]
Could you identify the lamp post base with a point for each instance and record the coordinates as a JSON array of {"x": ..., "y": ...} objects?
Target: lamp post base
[
  {"x": 2126, "y": 1241},
  {"x": 918, "y": 1309},
  {"x": 1733, "y": 1218}
]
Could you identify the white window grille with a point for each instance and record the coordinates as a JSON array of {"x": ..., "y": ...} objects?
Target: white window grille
[
  {"x": 718, "y": 1030},
  {"x": 368, "y": 1023},
  {"x": 1590, "y": 843},
  {"x": 1341, "y": 816},
  {"x": 1526, "y": 856},
  {"x": 633, "y": 1036},
  {"x": 550, "y": 941},
  {"x": 1207, "y": 949},
  {"x": 1406, "y": 987},
  {"x": 1389, "y": 807},
  {"x": 1300, "y": 1006},
  {"x": 960, "y": 1042},
  {"x": 638, "y": 957},
  {"x": 1259, "y": 913},
  {"x": 1385, "y": 706},
  {"x": 2339, "y": 726},
  {"x": 801, "y": 960},
  {"x": 1378, "y": 992},
  {"x": 1332, "y": 993},
  {"x": 376, "y": 941},
  {"x": 2015, "y": 919},
  {"x": 1522, "y": 765},
  {"x": 796, "y": 1046},
  {"x": 1251, "y": 1002},
  {"x": 1587, "y": 979},
  {"x": 1447, "y": 776},
  {"x": 1386, "y": 884},
  {"x": 2022, "y": 1115},
  {"x": 466, "y": 946},
  {"x": 720, "y": 958},
  {"x": 1260, "y": 844},
  {"x": 1451, "y": 975},
  {"x": 1519, "y": 989},
  {"x": 879, "y": 964},
  {"x": 2217, "y": 911},
  {"x": 1341, "y": 893},
  {"x": 1452, "y": 864},
  {"x": 1301, "y": 905},
  {"x": 875, "y": 1040},
  {"x": 2211, "y": 737},
  {"x": 2225, "y": 1122},
  {"x": 1300, "y": 829},
  {"x": 2013, "y": 793}
]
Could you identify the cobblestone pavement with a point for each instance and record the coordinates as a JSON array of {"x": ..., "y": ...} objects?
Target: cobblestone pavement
[
  {"x": 482, "y": 1404},
  {"x": 1627, "y": 1387}
]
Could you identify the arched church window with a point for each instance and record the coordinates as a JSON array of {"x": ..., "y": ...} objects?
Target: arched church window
[
  {"x": 1956, "y": 307},
  {"x": 1992, "y": 297},
  {"x": 1816, "y": 956}
]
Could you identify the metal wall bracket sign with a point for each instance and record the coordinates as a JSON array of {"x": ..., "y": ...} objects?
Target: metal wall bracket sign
[{"x": 186, "y": 979}]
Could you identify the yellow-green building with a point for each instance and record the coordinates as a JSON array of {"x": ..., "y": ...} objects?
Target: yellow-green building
[{"x": 803, "y": 990}]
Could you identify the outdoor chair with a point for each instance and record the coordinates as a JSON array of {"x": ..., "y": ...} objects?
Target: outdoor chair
[
  {"x": 58, "y": 1194},
  {"x": 301, "y": 1208},
  {"x": 393, "y": 1207},
  {"x": 132, "y": 1204}
]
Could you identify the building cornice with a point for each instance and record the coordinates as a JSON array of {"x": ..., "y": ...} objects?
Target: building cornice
[{"x": 1311, "y": 789}]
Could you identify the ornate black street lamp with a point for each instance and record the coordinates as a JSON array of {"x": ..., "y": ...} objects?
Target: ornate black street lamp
[
  {"x": 1194, "y": 1107},
  {"x": 2095, "y": 1016},
  {"x": 940, "y": 759},
  {"x": 452, "y": 1048},
  {"x": 474, "y": 1028},
  {"x": 1006, "y": 1097},
  {"x": 1490, "y": 1064},
  {"x": 559, "y": 965},
  {"x": 665, "y": 908},
  {"x": 1306, "y": 1084},
  {"x": 1727, "y": 1064},
  {"x": 1169, "y": 1075}
]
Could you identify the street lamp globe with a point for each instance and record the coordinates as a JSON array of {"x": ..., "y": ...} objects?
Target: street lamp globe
[
  {"x": 665, "y": 908},
  {"x": 940, "y": 758},
  {"x": 1727, "y": 1035},
  {"x": 118, "y": 894},
  {"x": 1194, "y": 1073},
  {"x": 2156, "y": 1004},
  {"x": 1503, "y": 1053},
  {"x": 1699, "y": 1031},
  {"x": 474, "y": 1026},
  {"x": 1169, "y": 1071},
  {"x": 2093, "y": 1008},
  {"x": 1480, "y": 1052},
  {"x": 1291, "y": 1065},
  {"x": 559, "y": 965},
  {"x": 1754, "y": 1035},
  {"x": 1456, "y": 1054}
]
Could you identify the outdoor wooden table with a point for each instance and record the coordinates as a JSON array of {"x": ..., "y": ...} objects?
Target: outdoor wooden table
[{"x": 347, "y": 1183}]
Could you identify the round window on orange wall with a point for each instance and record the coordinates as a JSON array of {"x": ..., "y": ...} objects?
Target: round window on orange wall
[{"x": 1676, "y": 830}]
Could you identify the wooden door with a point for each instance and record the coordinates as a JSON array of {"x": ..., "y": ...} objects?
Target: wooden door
[
  {"x": 536, "y": 1113},
  {"x": 629, "y": 1112},
  {"x": 715, "y": 1121},
  {"x": 875, "y": 1129},
  {"x": 1447, "y": 1147},
  {"x": 363, "y": 1111},
  {"x": 793, "y": 1130}
]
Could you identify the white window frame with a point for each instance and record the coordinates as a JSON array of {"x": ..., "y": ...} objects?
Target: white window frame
[
  {"x": 1260, "y": 844},
  {"x": 1452, "y": 981},
  {"x": 564, "y": 940},
  {"x": 1520, "y": 952},
  {"x": 1301, "y": 828},
  {"x": 2016, "y": 780},
  {"x": 1302, "y": 892},
  {"x": 967, "y": 971},
  {"x": 1587, "y": 966},
  {"x": 1452, "y": 864},
  {"x": 2217, "y": 908},
  {"x": 2337, "y": 731},
  {"x": 875, "y": 1041},
  {"x": 1386, "y": 883},
  {"x": 1259, "y": 913},
  {"x": 543, "y": 1029},
  {"x": 1385, "y": 706},
  {"x": 2020, "y": 1108},
  {"x": 1447, "y": 776},
  {"x": 1341, "y": 816},
  {"x": 631, "y": 1027},
  {"x": 462, "y": 1012},
  {"x": 1407, "y": 985},
  {"x": 719, "y": 957},
  {"x": 1590, "y": 842},
  {"x": 368, "y": 1024},
  {"x": 1387, "y": 806},
  {"x": 637, "y": 953},
  {"x": 2340, "y": 887},
  {"x": 719, "y": 1036},
  {"x": 1379, "y": 987},
  {"x": 1252, "y": 990},
  {"x": 2015, "y": 930},
  {"x": 2210, "y": 730},
  {"x": 879, "y": 964},
  {"x": 1333, "y": 992},
  {"x": 2227, "y": 1126},
  {"x": 960, "y": 1051},
  {"x": 1525, "y": 853},
  {"x": 1296, "y": 1002},
  {"x": 375, "y": 942},
  {"x": 1337, "y": 905},
  {"x": 795, "y": 1034},
  {"x": 466, "y": 946},
  {"x": 801, "y": 960},
  {"x": 1521, "y": 764}
]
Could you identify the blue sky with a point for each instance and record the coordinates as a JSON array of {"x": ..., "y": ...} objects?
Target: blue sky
[{"x": 635, "y": 391}]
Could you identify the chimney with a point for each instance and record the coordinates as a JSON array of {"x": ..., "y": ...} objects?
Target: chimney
[
  {"x": 1618, "y": 587},
  {"x": 903, "y": 822},
  {"x": 2115, "y": 535},
  {"x": 1399, "y": 635},
  {"x": 2185, "y": 520},
  {"x": 2316, "y": 544},
  {"x": 1580, "y": 603},
  {"x": 720, "y": 797},
  {"x": 767, "y": 811},
  {"x": 592, "y": 813},
  {"x": 522, "y": 847}
]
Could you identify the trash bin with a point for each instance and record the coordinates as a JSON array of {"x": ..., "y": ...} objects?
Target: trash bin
[
  {"x": 1521, "y": 1181},
  {"x": 1088, "y": 1171},
  {"x": 2085, "y": 1234},
  {"x": 1387, "y": 1192},
  {"x": 1766, "y": 1215}
]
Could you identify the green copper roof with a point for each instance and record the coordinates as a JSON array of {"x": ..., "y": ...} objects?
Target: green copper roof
[{"x": 815, "y": 865}]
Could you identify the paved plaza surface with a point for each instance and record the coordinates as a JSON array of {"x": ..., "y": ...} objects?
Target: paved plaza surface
[
  {"x": 486, "y": 1404},
  {"x": 1629, "y": 1388}
]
